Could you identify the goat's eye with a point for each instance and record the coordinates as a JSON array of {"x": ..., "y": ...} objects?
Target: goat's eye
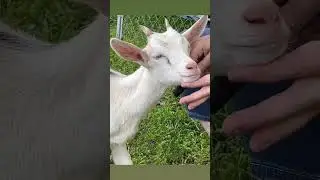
[
  {"x": 162, "y": 56},
  {"x": 159, "y": 56}
]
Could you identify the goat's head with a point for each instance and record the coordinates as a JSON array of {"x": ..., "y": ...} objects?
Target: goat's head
[
  {"x": 247, "y": 32},
  {"x": 166, "y": 55}
]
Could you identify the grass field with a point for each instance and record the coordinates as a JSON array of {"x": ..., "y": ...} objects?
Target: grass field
[{"x": 167, "y": 135}]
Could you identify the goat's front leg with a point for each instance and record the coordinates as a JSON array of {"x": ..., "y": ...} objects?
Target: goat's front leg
[
  {"x": 206, "y": 126},
  {"x": 120, "y": 154}
]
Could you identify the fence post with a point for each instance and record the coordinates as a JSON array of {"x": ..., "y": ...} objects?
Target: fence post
[{"x": 119, "y": 26}]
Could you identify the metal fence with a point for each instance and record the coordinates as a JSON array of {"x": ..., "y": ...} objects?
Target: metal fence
[{"x": 127, "y": 27}]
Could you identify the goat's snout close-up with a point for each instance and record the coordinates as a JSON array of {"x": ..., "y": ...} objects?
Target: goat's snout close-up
[
  {"x": 261, "y": 36},
  {"x": 191, "y": 72},
  {"x": 191, "y": 65},
  {"x": 262, "y": 14}
]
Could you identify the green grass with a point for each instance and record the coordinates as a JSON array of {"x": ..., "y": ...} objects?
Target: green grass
[
  {"x": 167, "y": 135},
  {"x": 229, "y": 160}
]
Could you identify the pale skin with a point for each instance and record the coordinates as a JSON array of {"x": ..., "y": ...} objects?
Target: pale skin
[{"x": 285, "y": 113}]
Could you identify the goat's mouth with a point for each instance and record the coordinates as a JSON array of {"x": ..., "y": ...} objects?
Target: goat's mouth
[
  {"x": 190, "y": 78},
  {"x": 263, "y": 43}
]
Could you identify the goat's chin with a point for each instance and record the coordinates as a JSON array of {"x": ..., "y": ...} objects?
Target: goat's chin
[
  {"x": 190, "y": 79},
  {"x": 262, "y": 56}
]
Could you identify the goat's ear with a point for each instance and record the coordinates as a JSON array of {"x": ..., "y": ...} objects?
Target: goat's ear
[
  {"x": 145, "y": 30},
  {"x": 196, "y": 29},
  {"x": 128, "y": 51}
]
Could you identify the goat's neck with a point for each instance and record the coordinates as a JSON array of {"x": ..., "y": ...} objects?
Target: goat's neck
[{"x": 145, "y": 89}]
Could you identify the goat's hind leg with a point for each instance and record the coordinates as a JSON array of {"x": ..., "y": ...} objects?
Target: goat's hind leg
[{"x": 120, "y": 154}]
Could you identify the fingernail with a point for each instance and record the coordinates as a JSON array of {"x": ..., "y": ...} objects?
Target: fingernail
[{"x": 190, "y": 107}]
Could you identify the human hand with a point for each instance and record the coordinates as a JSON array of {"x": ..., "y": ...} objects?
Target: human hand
[
  {"x": 195, "y": 99},
  {"x": 302, "y": 19},
  {"x": 200, "y": 52},
  {"x": 281, "y": 115},
  {"x": 298, "y": 13}
]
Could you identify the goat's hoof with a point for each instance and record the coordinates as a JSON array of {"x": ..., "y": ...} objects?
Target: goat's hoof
[{"x": 125, "y": 164}]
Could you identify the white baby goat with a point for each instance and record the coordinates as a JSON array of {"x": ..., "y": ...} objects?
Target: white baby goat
[{"x": 164, "y": 62}]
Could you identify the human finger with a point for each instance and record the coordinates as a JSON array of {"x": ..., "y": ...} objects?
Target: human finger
[
  {"x": 197, "y": 103},
  {"x": 200, "y": 48},
  {"x": 297, "y": 13},
  {"x": 267, "y": 136},
  {"x": 302, "y": 62},
  {"x": 300, "y": 96},
  {"x": 203, "y": 81},
  {"x": 203, "y": 92},
  {"x": 205, "y": 63}
]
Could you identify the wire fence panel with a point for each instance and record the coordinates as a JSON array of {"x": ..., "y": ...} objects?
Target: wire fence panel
[{"x": 131, "y": 31}]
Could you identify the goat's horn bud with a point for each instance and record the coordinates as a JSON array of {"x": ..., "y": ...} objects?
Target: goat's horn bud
[
  {"x": 167, "y": 23},
  {"x": 146, "y": 30}
]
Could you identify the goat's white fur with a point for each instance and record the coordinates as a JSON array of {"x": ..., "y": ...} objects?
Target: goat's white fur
[{"x": 132, "y": 96}]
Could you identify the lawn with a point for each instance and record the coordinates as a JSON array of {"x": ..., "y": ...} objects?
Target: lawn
[{"x": 167, "y": 135}]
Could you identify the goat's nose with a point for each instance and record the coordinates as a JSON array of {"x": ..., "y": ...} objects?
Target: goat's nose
[
  {"x": 262, "y": 13},
  {"x": 191, "y": 65}
]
